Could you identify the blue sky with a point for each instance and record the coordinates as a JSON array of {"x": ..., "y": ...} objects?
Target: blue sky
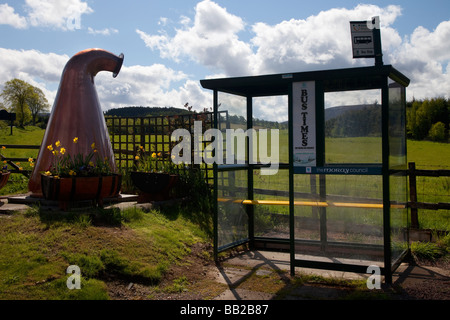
[{"x": 170, "y": 45}]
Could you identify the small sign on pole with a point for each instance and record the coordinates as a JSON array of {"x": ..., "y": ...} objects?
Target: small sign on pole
[
  {"x": 366, "y": 39},
  {"x": 5, "y": 115},
  {"x": 362, "y": 40}
]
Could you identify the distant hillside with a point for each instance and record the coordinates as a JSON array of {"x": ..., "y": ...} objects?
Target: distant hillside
[
  {"x": 353, "y": 121},
  {"x": 135, "y": 111},
  {"x": 334, "y": 112}
]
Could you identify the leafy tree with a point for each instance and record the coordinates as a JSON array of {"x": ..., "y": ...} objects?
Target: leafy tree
[
  {"x": 15, "y": 94},
  {"x": 423, "y": 115},
  {"x": 23, "y": 99},
  {"x": 437, "y": 132},
  {"x": 37, "y": 102}
]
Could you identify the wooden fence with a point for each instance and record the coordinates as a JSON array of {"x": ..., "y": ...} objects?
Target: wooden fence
[
  {"x": 131, "y": 136},
  {"x": 413, "y": 203}
]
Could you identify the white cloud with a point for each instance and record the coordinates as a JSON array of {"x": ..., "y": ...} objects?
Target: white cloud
[
  {"x": 135, "y": 85},
  {"x": 318, "y": 42},
  {"x": 39, "y": 69},
  {"x": 210, "y": 40},
  {"x": 9, "y": 17},
  {"x": 103, "y": 32},
  {"x": 56, "y": 13},
  {"x": 424, "y": 57},
  {"x": 321, "y": 41},
  {"x": 154, "y": 85},
  {"x": 60, "y": 14}
]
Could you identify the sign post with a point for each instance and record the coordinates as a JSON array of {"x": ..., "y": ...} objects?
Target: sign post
[
  {"x": 366, "y": 40},
  {"x": 5, "y": 115}
]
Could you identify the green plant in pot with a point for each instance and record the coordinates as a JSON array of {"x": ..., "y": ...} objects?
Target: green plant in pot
[
  {"x": 155, "y": 177},
  {"x": 78, "y": 177}
]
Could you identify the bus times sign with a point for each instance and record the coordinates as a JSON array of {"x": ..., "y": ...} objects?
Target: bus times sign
[{"x": 362, "y": 39}]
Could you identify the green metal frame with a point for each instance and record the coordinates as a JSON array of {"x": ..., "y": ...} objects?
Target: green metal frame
[{"x": 375, "y": 77}]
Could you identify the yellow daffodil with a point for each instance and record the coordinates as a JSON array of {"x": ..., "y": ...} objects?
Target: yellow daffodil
[
  {"x": 30, "y": 160},
  {"x": 93, "y": 145},
  {"x": 55, "y": 152},
  {"x": 50, "y": 147},
  {"x": 159, "y": 154},
  {"x": 136, "y": 158},
  {"x": 31, "y": 164},
  {"x": 3, "y": 147},
  {"x": 141, "y": 147},
  {"x": 48, "y": 173},
  {"x": 20, "y": 168},
  {"x": 75, "y": 140},
  {"x": 58, "y": 143},
  {"x": 62, "y": 150},
  {"x": 91, "y": 163},
  {"x": 72, "y": 173},
  {"x": 153, "y": 155}
]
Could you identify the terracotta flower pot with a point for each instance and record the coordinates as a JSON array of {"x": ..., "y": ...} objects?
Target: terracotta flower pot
[
  {"x": 4, "y": 179},
  {"x": 81, "y": 188},
  {"x": 153, "y": 186}
]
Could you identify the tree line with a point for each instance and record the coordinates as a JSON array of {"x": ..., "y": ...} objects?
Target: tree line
[
  {"x": 425, "y": 119},
  {"x": 428, "y": 119}
]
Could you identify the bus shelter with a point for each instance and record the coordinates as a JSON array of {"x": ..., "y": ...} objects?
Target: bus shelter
[{"x": 337, "y": 198}]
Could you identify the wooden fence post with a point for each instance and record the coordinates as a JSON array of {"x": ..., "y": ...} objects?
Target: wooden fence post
[{"x": 413, "y": 195}]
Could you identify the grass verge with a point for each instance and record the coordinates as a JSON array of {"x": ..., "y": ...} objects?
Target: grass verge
[{"x": 133, "y": 245}]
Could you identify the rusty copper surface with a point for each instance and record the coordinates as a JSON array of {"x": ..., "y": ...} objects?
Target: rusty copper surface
[{"x": 77, "y": 112}]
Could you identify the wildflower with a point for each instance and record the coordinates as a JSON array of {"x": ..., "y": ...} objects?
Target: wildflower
[
  {"x": 50, "y": 147},
  {"x": 75, "y": 140},
  {"x": 62, "y": 150},
  {"x": 58, "y": 143}
]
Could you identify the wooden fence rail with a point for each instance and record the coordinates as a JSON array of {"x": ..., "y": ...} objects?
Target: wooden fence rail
[
  {"x": 12, "y": 161},
  {"x": 413, "y": 203}
]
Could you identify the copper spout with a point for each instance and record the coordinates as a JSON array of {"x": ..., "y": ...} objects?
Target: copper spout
[{"x": 77, "y": 112}]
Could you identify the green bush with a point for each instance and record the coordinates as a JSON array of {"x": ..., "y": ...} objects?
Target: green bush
[{"x": 437, "y": 132}]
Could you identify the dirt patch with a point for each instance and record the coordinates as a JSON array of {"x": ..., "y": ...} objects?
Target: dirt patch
[
  {"x": 197, "y": 278},
  {"x": 189, "y": 279}
]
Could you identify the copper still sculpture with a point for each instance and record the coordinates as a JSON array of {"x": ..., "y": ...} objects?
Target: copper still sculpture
[{"x": 77, "y": 112}]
